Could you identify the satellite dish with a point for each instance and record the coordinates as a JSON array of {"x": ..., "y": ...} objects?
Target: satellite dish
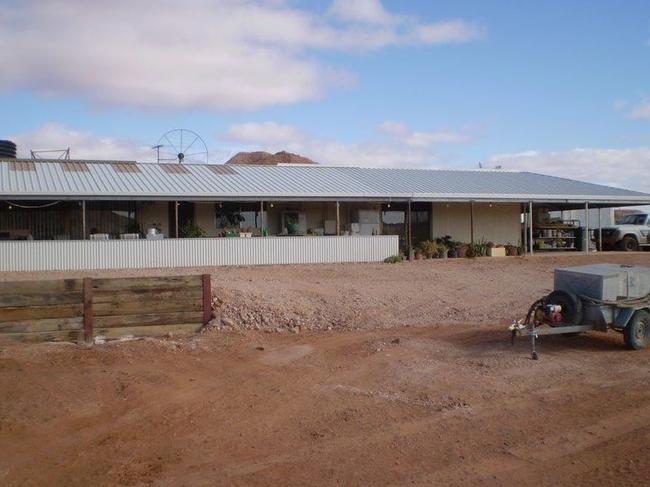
[{"x": 181, "y": 146}]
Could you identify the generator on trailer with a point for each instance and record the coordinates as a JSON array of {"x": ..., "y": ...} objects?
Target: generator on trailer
[{"x": 593, "y": 297}]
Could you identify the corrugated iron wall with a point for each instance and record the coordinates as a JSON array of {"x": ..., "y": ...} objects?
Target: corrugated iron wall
[{"x": 194, "y": 252}]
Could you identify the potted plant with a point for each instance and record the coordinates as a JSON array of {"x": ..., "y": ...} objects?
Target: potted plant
[
  {"x": 192, "y": 230},
  {"x": 418, "y": 253},
  {"x": 496, "y": 250},
  {"x": 429, "y": 248},
  {"x": 292, "y": 224},
  {"x": 443, "y": 251},
  {"x": 462, "y": 249},
  {"x": 512, "y": 250},
  {"x": 446, "y": 247}
]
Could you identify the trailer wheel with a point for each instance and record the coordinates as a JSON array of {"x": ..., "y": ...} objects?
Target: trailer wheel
[
  {"x": 571, "y": 307},
  {"x": 637, "y": 331}
]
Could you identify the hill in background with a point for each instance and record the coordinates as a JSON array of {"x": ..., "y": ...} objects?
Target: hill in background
[{"x": 261, "y": 158}]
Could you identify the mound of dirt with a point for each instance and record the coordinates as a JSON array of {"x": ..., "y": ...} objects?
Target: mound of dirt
[
  {"x": 240, "y": 310},
  {"x": 261, "y": 158}
]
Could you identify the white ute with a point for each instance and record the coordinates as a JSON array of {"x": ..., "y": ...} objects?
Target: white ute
[{"x": 631, "y": 234}]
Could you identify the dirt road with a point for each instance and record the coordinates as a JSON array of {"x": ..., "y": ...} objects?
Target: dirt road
[{"x": 442, "y": 403}]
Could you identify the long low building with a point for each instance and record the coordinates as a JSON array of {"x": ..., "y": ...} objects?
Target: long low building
[{"x": 83, "y": 199}]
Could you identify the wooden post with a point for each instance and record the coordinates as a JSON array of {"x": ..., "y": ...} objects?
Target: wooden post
[
  {"x": 338, "y": 219},
  {"x": 88, "y": 309},
  {"x": 83, "y": 219},
  {"x": 471, "y": 222},
  {"x": 207, "y": 298},
  {"x": 176, "y": 218}
]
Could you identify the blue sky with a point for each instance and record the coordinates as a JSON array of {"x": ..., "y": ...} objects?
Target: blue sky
[{"x": 554, "y": 86}]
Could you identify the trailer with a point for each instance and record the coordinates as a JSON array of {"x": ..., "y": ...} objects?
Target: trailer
[{"x": 597, "y": 297}]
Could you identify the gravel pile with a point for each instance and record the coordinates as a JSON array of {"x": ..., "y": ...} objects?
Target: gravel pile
[{"x": 237, "y": 310}]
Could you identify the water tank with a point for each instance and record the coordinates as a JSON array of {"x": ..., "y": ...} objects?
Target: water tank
[
  {"x": 7, "y": 149},
  {"x": 604, "y": 281}
]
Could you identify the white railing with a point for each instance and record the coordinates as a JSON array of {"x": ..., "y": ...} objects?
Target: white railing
[{"x": 191, "y": 252}]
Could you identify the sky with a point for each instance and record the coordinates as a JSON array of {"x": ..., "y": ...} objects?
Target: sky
[{"x": 557, "y": 87}]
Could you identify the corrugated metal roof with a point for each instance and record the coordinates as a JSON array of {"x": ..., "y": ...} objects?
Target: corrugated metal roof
[{"x": 128, "y": 180}]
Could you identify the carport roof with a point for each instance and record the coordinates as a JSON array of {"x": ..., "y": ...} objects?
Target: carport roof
[{"x": 108, "y": 180}]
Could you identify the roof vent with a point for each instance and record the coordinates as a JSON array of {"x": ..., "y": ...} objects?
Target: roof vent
[{"x": 7, "y": 149}]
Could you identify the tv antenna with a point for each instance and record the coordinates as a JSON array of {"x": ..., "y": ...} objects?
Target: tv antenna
[
  {"x": 181, "y": 146},
  {"x": 63, "y": 154}
]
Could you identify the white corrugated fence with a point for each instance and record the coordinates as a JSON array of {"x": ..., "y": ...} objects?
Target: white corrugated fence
[{"x": 47, "y": 255}]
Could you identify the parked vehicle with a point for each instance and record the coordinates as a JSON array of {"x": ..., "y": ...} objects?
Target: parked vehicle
[{"x": 631, "y": 234}]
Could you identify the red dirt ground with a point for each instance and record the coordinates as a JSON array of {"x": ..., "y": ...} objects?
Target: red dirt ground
[{"x": 412, "y": 396}]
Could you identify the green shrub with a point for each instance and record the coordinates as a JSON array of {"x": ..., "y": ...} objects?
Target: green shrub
[
  {"x": 478, "y": 249},
  {"x": 191, "y": 230},
  {"x": 431, "y": 248},
  {"x": 393, "y": 259}
]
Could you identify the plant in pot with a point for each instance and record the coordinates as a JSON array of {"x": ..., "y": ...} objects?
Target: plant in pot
[
  {"x": 192, "y": 230},
  {"x": 418, "y": 253},
  {"x": 429, "y": 249},
  {"x": 231, "y": 220},
  {"x": 462, "y": 249},
  {"x": 447, "y": 247},
  {"x": 478, "y": 249},
  {"x": 292, "y": 224},
  {"x": 512, "y": 250},
  {"x": 497, "y": 250},
  {"x": 443, "y": 251}
]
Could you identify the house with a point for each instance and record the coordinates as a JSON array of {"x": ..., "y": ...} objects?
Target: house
[{"x": 75, "y": 199}]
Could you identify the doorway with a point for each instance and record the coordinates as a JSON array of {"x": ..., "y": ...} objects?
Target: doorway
[{"x": 185, "y": 216}]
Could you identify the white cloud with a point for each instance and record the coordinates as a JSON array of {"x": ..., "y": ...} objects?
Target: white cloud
[
  {"x": 445, "y": 32},
  {"x": 265, "y": 133},
  {"x": 640, "y": 112},
  {"x": 394, "y": 128},
  {"x": 83, "y": 145},
  {"x": 625, "y": 168},
  {"x": 427, "y": 139},
  {"x": 422, "y": 139},
  {"x": 365, "y": 11},
  {"x": 212, "y": 54},
  {"x": 403, "y": 148}
]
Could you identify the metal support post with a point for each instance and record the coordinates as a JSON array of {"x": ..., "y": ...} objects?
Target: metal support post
[
  {"x": 338, "y": 219},
  {"x": 471, "y": 222},
  {"x": 530, "y": 227},
  {"x": 176, "y": 218},
  {"x": 524, "y": 214},
  {"x": 587, "y": 238},
  {"x": 600, "y": 231},
  {"x": 83, "y": 220},
  {"x": 409, "y": 234}
]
